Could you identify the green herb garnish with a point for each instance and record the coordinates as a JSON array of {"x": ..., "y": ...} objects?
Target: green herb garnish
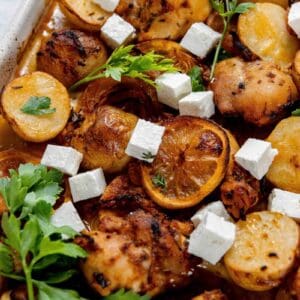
[
  {"x": 29, "y": 238},
  {"x": 159, "y": 181},
  {"x": 38, "y": 106},
  {"x": 226, "y": 9},
  {"x": 296, "y": 112},
  {"x": 196, "y": 77},
  {"x": 123, "y": 63},
  {"x": 123, "y": 295},
  {"x": 148, "y": 155}
]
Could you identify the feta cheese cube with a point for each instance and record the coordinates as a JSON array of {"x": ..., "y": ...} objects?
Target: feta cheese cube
[
  {"x": 212, "y": 238},
  {"x": 87, "y": 185},
  {"x": 294, "y": 18},
  {"x": 107, "y": 5},
  {"x": 216, "y": 207},
  {"x": 145, "y": 140},
  {"x": 67, "y": 215},
  {"x": 197, "y": 104},
  {"x": 65, "y": 159},
  {"x": 200, "y": 39},
  {"x": 285, "y": 202},
  {"x": 116, "y": 31},
  {"x": 256, "y": 156},
  {"x": 171, "y": 87}
]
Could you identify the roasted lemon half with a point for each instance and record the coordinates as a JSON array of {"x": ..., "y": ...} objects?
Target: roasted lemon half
[{"x": 191, "y": 163}]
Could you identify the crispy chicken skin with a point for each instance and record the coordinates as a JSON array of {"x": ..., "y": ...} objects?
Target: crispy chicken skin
[
  {"x": 211, "y": 295},
  {"x": 165, "y": 19},
  {"x": 134, "y": 245},
  {"x": 69, "y": 55},
  {"x": 257, "y": 91}
]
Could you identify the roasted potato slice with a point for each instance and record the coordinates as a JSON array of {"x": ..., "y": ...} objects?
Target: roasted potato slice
[
  {"x": 264, "y": 250},
  {"x": 158, "y": 19},
  {"x": 263, "y": 30},
  {"x": 69, "y": 55},
  {"x": 284, "y": 172},
  {"x": 32, "y": 127},
  {"x": 211, "y": 295},
  {"x": 258, "y": 91},
  {"x": 296, "y": 70},
  {"x": 283, "y": 3},
  {"x": 183, "y": 60},
  {"x": 84, "y": 14}
]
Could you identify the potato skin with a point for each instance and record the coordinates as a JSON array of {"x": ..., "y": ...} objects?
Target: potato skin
[
  {"x": 69, "y": 55},
  {"x": 284, "y": 172},
  {"x": 257, "y": 91},
  {"x": 264, "y": 250},
  {"x": 30, "y": 127}
]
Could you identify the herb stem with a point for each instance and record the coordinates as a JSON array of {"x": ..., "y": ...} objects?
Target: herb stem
[
  {"x": 218, "y": 49},
  {"x": 28, "y": 279},
  {"x": 12, "y": 276}
]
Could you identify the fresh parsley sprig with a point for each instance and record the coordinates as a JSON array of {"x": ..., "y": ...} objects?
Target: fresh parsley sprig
[
  {"x": 30, "y": 240},
  {"x": 296, "y": 112},
  {"x": 123, "y": 63},
  {"x": 197, "y": 81},
  {"x": 226, "y": 9},
  {"x": 38, "y": 106},
  {"x": 159, "y": 181},
  {"x": 129, "y": 295}
]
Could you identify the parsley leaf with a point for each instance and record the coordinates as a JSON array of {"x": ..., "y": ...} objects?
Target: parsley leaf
[
  {"x": 226, "y": 9},
  {"x": 129, "y": 295},
  {"x": 123, "y": 63},
  {"x": 159, "y": 181},
  {"x": 196, "y": 78},
  {"x": 296, "y": 112},
  {"x": 148, "y": 155},
  {"x": 38, "y": 106},
  {"x": 6, "y": 260}
]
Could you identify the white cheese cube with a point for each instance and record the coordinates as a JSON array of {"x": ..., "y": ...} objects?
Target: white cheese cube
[
  {"x": 200, "y": 39},
  {"x": 65, "y": 159},
  {"x": 212, "y": 238},
  {"x": 116, "y": 31},
  {"x": 216, "y": 207},
  {"x": 294, "y": 18},
  {"x": 107, "y": 5},
  {"x": 67, "y": 215},
  {"x": 256, "y": 156},
  {"x": 145, "y": 140},
  {"x": 171, "y": 87},
  {"x": 87, "y": 185},
  {"x": 197, "y": 104},
  {"x": 285, "y": 202}
]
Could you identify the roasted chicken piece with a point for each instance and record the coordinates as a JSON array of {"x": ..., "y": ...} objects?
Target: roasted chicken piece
[
  {"x": 134, "y": 245},
  {"x": 239, "y": 190},
  {"x": 211, "y": 295},
  {"x": 69, "y": 55},
  {"x": 163, "y": 19},
  {"x": 257, "y": 91}
]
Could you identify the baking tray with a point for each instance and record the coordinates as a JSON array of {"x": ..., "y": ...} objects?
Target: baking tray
[{"x": 18, "y": 28}]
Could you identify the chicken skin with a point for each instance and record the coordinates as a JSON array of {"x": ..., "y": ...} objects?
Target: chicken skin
[{"x": 134, "y": 245}]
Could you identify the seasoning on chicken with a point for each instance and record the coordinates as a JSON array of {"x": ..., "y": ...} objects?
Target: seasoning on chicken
[{"x": 134, "y": 246}]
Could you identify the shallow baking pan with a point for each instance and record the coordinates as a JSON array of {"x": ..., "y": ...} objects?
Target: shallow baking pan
[{"x": 18, "y": 21}]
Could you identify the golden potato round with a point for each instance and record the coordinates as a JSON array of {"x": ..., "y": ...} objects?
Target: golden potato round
[
  {"x": 84, "y": 14},
  {"x": 70, "y": 55},
  {"x": 283, "y": 3},
  {"x": 264, "y": 250},
  {"x": 263, "y": 30},
  {"x": 257, "y": 91},
  {"x": 35, "y": 128},
  {"x": 284, "y": 172}
]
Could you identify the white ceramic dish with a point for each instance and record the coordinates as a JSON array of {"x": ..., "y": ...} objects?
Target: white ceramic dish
[{"x": 18, "y": 20}]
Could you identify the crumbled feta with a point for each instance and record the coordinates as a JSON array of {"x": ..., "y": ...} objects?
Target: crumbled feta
[
  {"x": 200, "y": 39},
  {"x": 116, "y": 31},
  {"x": 216, "y": 207},
  {"x": 171, "y": 87},
  {"x": 87, "y": 185},
  {"x": 197, "y": 104},
  {"x": 256, "y": 156},
  {"x": 212, "y": 238},
  {"x": 65, "y": 159},
  {"x": 107, "y": 5},
  {"x": 145, "y": 140},
  {"x": 67, "y": 215},
  {"x": 294, "y": 18},
  {"x": 285, "y": 202}
]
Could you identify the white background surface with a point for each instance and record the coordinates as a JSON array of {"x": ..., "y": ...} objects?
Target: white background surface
[{"x": 8, "y": 10}]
